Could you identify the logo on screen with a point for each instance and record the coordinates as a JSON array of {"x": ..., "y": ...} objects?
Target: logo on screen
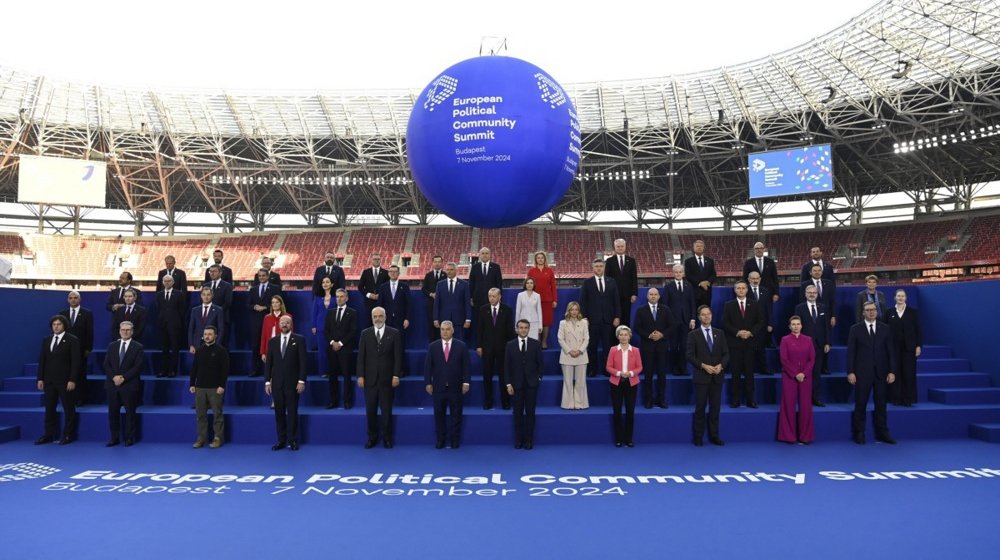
[
  {"x": 24, "y": 471},
  {"x": 758, "y": 165},
  {"x": 551, "y": 92},
  {"x": 88, "y": 172},
  {"x": 440, "y": 90}
]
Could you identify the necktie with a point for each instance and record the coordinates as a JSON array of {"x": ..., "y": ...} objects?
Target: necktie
[
  {"x": 621, "y": 263},
  {"x": 327, "y": 271},
  {"x": 708, "y": 339},
  {"x": 121, "y": 352},
  {"x": 168, "y": 295},
  {"x": 72, "y": 316},
  {"x": 654, "y": 312},
  {"x": 743, "y": 310},
  {"x": 340, "y": 314},
  {"x": 261, "y": 295},
  {"x": 204, "y": 314},
  {"x": 760, "y": 265},
  {"x": 756, "y": 296},
  {"x": 701, "y": 263},
  {"x": 680, "y": 286},
  {"x": 600, "y": 284},
  {"x": 485, "y": 268},
  {"x": 812, "y": 309},
  {"x": 494, "y": 316},
  {"x": 378, "y": 335},
  {"x": 451, "y": 286},
  {"x": 55, "y": 342},
  {"x": 871, "y": 330},
  {"x": 819, "y": 288},
  {"x": 121, "y": 292},
  {"x": 524, "y": 346},
  {"x": 284, "y": 344},
  {"x": 128, "y": 311},
  {"x": 447, "y": 350},
  {"x": 393, "y": 287},
  {"x": 215, "y": 285}
]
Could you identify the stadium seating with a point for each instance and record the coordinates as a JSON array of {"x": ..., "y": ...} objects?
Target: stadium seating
[
  {"x": 511, "y": 247},
  {"x": 365, "y": 242}
]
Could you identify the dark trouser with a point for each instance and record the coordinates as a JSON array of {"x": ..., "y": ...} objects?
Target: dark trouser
[
  {"x": 493, "y": 365},
  {"x": 904, "y": 390},
  {"x": 741, "y": 384},
  {"x": 603, "y": 335},
  {"x": 865, "y": 385},
  {"x": 623, "y": 392},
  {"x": 678, "y": 347},
  {"x": 55, "y": 393},
  {"x": 702, "y": 297},
  {"x": 523, "y": 402},
  {"x": 127, "y": 397},
  {"x": 341, "y": 366},
  {"x": 433, "y": 333},
  {"x": 256, "y": 328},
  {"x": 448, "y": 401},
  {"x": 654, "y": 366},
  {"x": 760, "y": 354},
  {"x": 817, "y": 371},
  {"x": 626, "y": 308},
  {"x": 203, "y": 399},
  {"x": 710, "y": 393},
  {"x": 286, "y": 413},
  {"x": 171, "y": 343},
  {"x": 379, "y": 396}
]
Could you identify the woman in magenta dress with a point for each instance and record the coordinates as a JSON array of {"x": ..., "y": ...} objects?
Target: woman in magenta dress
[
  {"x": 797, "y": 359},
  {"x": 545, "y": 285}
]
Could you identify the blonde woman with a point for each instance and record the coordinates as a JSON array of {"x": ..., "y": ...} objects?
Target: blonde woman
[
  {"x": 574, "y": 335},
  {"x": 545, "y": 285}
]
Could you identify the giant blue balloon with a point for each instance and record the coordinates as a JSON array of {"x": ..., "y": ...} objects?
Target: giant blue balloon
[{"x": 493, "y": 142}]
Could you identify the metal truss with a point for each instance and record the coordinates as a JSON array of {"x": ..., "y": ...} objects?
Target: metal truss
[{"x": 652, "y": 147}]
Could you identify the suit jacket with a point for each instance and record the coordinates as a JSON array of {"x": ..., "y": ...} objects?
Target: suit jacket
[
  {"x": 227, "y": 274},
  {"x": 698, "y": 354},
  {"x": 223, "y": 297},
  {"x": 430, "y": 283},
  {"x": 867, "y": 357},
  {"x": 681, "y": 303},
  {"x": 768, "y": 276},
  {"x": 828, "y": 273},
  {"x": 829, "y": 291},
  {"x": 862, "y": 298},
  {"x": 62, "y": 364},
  {"x": 764, "y": 300},
  {"x": 137, "y": 317},
  {"x": 479, "y": 285},
  {"x": 379, "y": 362},
  {"x": 696, "y": 274},
  {"x": 82, "y": 328},
  {"x": 397, "y": 309},
  {"x": 180, "y": 280},
  {"x": 598, "y": 308},
  {"x": 906, "y": 329},
  {"x": 733, "y": 321},
  {"x": 615, "y": 364},
  {"x": 454, "y": 307},
  {"x": 272, "y": 278},
  {"x": 447, "y": 375},
  {"x": 255, "y": 298},
  {"x": 116, "y": 296},
  {"x": 368, "y": 284},
  {"x": 344, "y": 331},
  {"x": 284, "y": 372},
  {"x": 494, "y": 337},
  {"x": 171, "y": 314},
  {"x": 818, "y": 330},
  {"x": 573, "y": 336},
  {"x": 522, "y": 370},
  {"x": 645, "y": 325},
  {"x": 196, "y": 325},
  {"x": 627, "y": 279},
  {"x": 336, "y": 275},
  {"x": 129, "y": 367}
]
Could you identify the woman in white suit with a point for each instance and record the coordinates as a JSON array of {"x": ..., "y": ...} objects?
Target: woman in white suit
[
  {"x": 529, "y": 308},
  {"x": 574, "y": 335}
]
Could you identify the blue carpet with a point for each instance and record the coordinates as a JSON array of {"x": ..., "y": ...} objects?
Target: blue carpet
[{"x": 822, "y": 518}]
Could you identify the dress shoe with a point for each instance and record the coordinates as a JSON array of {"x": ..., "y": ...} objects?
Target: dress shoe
[
  {"x": 819, "y": 403},
  {"x": 129, "y": 442},
  {"x": 506, "y": 407},
  {"x": 294, "y": 446},
  {"x": 529, "y": 445},
  {"x": 698, "y": 442},
  {"x": 216, "y": 443},
  {"x": 161, "y": 375},
  {"x": 886, "y": 438},
  {"x": 252, "y": 374},
  {"x": 325, "y": 376},
  {"x": 629, "y": 444},
  {"x": 518, "y": 445},
  {"x": 454, "y": 444},
  {"x": 278, "y": 446},
  {"x": 716, "y": 441},
  {"x": 663, "y": 404},
  {"x": 802, "y": 442},
  {"x": 387, "y": 443},
  {"x": 199, "y": 444},
  {"x": 618, "y": 444},
  {"x": 734, "y": 405},
  {"x": 112, "y": 443},
  {"x": 752, "y": 404},
  {"x": 65, "y": 440},
  {"x": 330, "y": 405},
  {"x": 488, "y": 406},
  {"x": 439, "y": 444},
  {"x": 348, "y": 405},
  {"x": 171, "y": 374},
  {"x": 43, "y": 440},
  {"x": 648, "y": 405},
  {"x": 369, "y": 444},
  {"x": 858, "y": 439}
]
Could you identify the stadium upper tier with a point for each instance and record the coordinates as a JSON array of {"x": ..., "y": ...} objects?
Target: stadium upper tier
[
  {"x": 907, "y": 248},
  {"x": 901, "y": 71}
]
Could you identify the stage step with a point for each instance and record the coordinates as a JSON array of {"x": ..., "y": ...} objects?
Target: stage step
[
  {"x": 939, "y": 365},
  {"x": 985, "y": 432},
  {"x": 9, "y": 433},
  {"x": 25, "y": 399},
  {"x": 975, "y": 395}
]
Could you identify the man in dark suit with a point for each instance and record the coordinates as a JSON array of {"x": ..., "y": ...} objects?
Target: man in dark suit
[
  {"x": 871, "y": 293},
  {"x": 826, "y": 269},
  {"x": 680, "y": 300},
  {"x": 116, "y": 297},
  {"x": 259, "y": 296},
  {"x": 653, "y": 325},
  {"x": 625, "y": 272},
  {"x": 380, "y": 360},
  {"x": 700, "y": 271},
  {"x": 394, "y": 297},
  {"x": 272, "y": 277},
  {"x": 203, "y": 315},
  {"x": 743, "y": 323},
  {"x": 122, "y": 365},
  {"x": 226, "y": 272},
  {"x": 871, "y": 363},
  {"x": 371, "y": 278},
  {"x": 222, "y": 296},
  {"x": 328, "y": 269},
  {"x": 429, "y": 288},
  {"x": 522, "y": 376},
  {"x": 762, "y": 295},
  {"x": 483, "y": 275},
  {"x": 171, "y": 270},
  {"x": 171, "y": 305},
  {"x": 816, "y": 325},
  {"x": 825, "y": 289},
  {"x": 285, "y": 379},
  {"x": 708, "y": 353},
  {"x": 601, "y": 306},
  {"x": 129, "y": 311},
  {"x": 496, "y": 328},
  {"x": 446, "y": 379},
  {"x": 451, "y": 302},
  {"x": 340, "y": 329},
  {"x": 58, "y": 375},
  {"x": 81, "y": 325},
  {"x": 766, "y": 267}
]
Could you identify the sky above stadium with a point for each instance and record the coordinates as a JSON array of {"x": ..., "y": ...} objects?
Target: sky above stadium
[{"x": 300, "y": 45}]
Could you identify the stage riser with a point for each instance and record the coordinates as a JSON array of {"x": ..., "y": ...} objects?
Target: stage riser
[
  {"x": 985, "y": 432},
  {"x": 988, "y": 395},
  {"x": 9, "y": 433}
]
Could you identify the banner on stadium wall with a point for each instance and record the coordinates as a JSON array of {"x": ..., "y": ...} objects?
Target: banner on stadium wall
[{"x": 62, "y": 181}]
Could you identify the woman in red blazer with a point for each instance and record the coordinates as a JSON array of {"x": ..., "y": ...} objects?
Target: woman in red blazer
[
  {"x": 624, "y": 366},
  {"x": 270, "y": 328}
]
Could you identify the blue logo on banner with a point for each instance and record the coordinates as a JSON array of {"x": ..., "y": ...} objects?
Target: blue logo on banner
[{"x": 493, "y": 142}]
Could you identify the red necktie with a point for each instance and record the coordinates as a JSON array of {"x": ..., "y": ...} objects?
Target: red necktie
[
  {"x": 743, "y": 311},
  {"x": 204, "y": 314}
]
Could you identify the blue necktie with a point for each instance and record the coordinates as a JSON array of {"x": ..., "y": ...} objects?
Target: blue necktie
[
  {"x": 121, "y": 353},
  {"x": 708, "y": 339}
]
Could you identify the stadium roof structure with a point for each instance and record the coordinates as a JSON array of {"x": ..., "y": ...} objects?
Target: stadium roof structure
[{"x": 904, "y": 71}]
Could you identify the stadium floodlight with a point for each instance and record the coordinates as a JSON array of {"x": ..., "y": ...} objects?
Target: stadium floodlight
[{"x": 943, "y": 139}]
